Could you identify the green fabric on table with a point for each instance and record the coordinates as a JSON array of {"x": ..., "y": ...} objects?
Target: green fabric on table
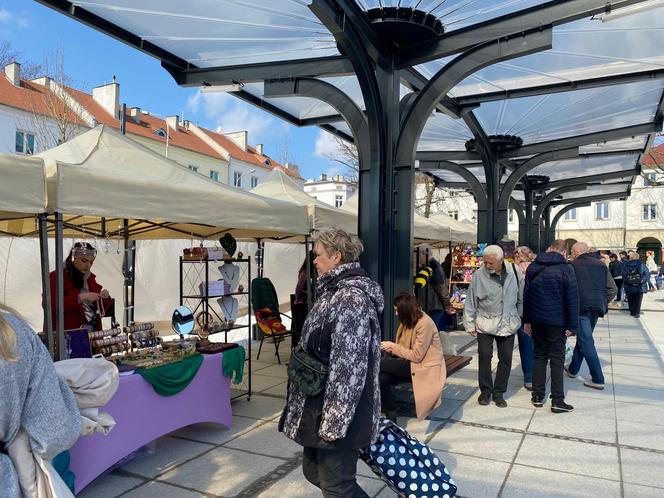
[
  {"x": 61, "y": 465},
  {"x": 170, "y": 379},
  {"x": 234, "y": 363}
]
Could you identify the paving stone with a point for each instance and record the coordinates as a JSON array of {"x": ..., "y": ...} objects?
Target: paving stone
[
  {"x": 638, "y": 467},
  {"x": 458, "y": 391},
  {"x": 642, "y": 491},
  {"x": 476, "y": 441},
  {"x": 109, "y": 486},
  {"x": 570, "y": 456},
  {"x": 278, "y": 390},
  {"x": 447, "y": 408},
  {"x": 640, "y": 413},
  {"x": 217, "y": 433},
  {"x": 156, "y": 489},
  {"x": 262, "y": 382},
  {"x": 575, "y": 425},
  {"x": 474, "y": 477},
  {"x": 642, "y": 435},
  {"x": 528, "y": 482},
  {"x": 294, "y": 485},
  {"x": 222, "y": 471},
  {"x": 278, "y": 371},
  {"x": 259, "y": 407},
  {"x": 421, "y": 429},
  {"x": 168, "y": 453},
  {"x": 631, "y": 394},
  {"x": 266, "y": 440},
  {"x": 511, "y": 417}
]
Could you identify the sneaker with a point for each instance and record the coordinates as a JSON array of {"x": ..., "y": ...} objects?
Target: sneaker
[
  {"x": 594, "y": 385},
  {"x": 537, "y": 401},
  {"x": 561, "y": 407},
  {"x": 484, "y": 399},
  {"x": 500, "y": 401},
  {"x": 569, "y": 374},
  {"x": 528, "y": 386}
]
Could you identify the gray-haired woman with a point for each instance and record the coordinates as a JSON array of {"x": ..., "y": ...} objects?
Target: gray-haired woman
[{"x": 342, "y": 331}]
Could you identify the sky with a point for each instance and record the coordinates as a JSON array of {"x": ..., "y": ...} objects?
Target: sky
[{"x": 92, "y": 59}]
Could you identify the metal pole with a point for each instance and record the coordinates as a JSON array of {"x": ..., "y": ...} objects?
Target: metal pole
[
  {"x": 59, "y": 288},
  {"x": 128, "y": 265},
  {"x": 308, "y": 263},
  {"x": 46, "y": 284}
]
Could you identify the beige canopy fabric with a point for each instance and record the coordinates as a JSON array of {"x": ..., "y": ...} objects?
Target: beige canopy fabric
[
  {"x": 461, "y": 231},
  {"x": 103, "y": 174},
  {"x": 424, "y": 229},
  {"x": 278, "y": 185},
  {"x": 22, "y": 193}
]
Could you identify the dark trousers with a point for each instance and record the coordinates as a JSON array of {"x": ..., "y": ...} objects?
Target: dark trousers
[
  {"x": 549, "y": 347},
  {"x": 392, "y": 371},
  {"x": 634, "y": 302},
  {"x": 333, "y": 471},
  {"x": 505, "y": 346},
  {"x": 619, "y": 282}
]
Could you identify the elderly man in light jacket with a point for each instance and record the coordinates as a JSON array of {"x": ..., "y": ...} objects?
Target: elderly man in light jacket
[{"x": 492, "y": 312}]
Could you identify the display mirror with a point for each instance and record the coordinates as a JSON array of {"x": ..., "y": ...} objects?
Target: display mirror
[{"x": 183, "y": 321}]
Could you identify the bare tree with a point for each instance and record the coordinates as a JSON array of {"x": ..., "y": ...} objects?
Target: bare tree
[
  {"x": 347, "y": 157},
  {"x": 9, "y": 54}
]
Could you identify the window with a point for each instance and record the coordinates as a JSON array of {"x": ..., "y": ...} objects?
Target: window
[
  {"x": 312, "y": 189},
  {"x": 649, "y": 179},
  {"x": 570, "y": 215},
  {"x": 338, "y": 200},
  {"x": 510, "y": 216},
  {"x": 237, "y": 179},
  {"x": 160, "y": 133},
  {"x": 254, "y": 181},
  {"x": 602, "y": 211},
  {"x": 193, "y": 168},
  {"x": 340, "y": 187},
  {"x": 214, "y": 175},
  {"x": 454, "y": 214},
  {"x": 474, "y": 215},
  {"x": 25, "y": 142},
  {"x": 649, "y": 212}
]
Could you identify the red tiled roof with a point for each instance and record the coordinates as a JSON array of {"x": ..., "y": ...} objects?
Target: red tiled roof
[
  {"x": 148, "y": 124},
  {"x": 250, "y": 156},
  {"x": 36, "y": 99},
  {"x": 654, "y": 157}
]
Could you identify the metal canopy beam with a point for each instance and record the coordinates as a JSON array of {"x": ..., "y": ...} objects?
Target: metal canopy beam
[
  {"x": 472, "y": 181},
  {"x": 561, "y": 213},
  {"x": 414, "y": 81},
  {"x": 588, "y": 139},
  {"x": 535, "y": 239},
  {"x": 251, "y": 73},
  {"x": 594, "y": 198},
  {"x": 584, "y": 180},
  {"x": 449, "y": 155},
  {"x": 550, "y": 13}
]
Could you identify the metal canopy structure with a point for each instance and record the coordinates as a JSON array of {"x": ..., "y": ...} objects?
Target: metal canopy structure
[{"x": 509, "y": 98}]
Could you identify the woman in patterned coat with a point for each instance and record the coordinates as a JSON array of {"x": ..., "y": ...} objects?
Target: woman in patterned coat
[{"x": 342, "y": 330}]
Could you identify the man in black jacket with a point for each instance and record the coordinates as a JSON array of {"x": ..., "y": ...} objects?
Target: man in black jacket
[
  {"x": 596, "y": 291},
  {"x": 550, "y": 315},
  {"x": 615, "y": 268}
]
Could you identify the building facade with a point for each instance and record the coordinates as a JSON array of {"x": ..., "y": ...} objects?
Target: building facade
[{"x": 332, "y": 190}]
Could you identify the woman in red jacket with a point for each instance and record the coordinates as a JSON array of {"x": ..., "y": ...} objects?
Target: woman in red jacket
[{"x": 85, "y": 301}]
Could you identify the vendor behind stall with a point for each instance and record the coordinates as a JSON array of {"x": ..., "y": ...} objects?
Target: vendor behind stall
[{"x": 85, "y": 301}]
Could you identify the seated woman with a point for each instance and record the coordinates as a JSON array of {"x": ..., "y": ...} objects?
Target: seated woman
[
  {"x": 417, "y": 356},
  {"x": 34, "y": 400}
]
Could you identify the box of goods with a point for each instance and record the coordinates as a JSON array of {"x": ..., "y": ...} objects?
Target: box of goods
[
  {"x": 216, "y": 253},
  {"x": 194, "y": 253},
  {"x": 214, "y": 288}
]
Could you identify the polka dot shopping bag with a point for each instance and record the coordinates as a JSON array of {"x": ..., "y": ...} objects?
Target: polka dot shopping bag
[{"x": 409, "y": 467}]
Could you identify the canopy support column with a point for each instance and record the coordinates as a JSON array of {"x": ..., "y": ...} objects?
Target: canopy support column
[
  {"x": 537, "y": 244},
  {"x": 47, "y": 305},
  {"x": 59, "y": 288},
  {"x": 128, "y": 266}
]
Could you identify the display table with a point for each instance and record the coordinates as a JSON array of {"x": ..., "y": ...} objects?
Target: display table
[{"x": 142, "y": 416}]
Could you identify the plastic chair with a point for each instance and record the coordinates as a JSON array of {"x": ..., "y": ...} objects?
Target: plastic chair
[{"x": 268, "y": 317}]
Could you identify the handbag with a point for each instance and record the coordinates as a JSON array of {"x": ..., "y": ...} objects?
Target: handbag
[{"x": 306, "y": 372}]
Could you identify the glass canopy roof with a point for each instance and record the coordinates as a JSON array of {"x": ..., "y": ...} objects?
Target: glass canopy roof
[{"x": 603, "y": 72}]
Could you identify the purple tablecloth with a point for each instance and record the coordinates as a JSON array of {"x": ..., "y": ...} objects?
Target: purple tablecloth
[{"x": 142, "y": 416}]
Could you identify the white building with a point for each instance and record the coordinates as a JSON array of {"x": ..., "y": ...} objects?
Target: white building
[{"x": 332, "y": 190}]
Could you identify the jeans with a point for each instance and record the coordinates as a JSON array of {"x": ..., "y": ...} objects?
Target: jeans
[
  {"x": 333, "y": 471},
  {"x": 549, "y": 347},
  {"x": 438, "y": 317},
  {"x": 618, "y": 282},
  {"x": 526, "y": 354},
  {"x": 585, "y": 348},
  {"x": 634, "y": 301},
  {"x": 392, "y": 371},
  {"x": 505, "y": 346}
]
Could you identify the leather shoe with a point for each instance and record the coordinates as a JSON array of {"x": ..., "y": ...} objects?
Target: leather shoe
[
  {"x": 500, "y": 401},
  {"x": 561, "y": 407},
  {"x": 484, "y": 399},
  {"x": 537, "y": 401}
]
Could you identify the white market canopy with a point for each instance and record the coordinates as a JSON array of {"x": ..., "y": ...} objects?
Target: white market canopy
[
  {"x": 101, "y": 177},
  {"x": 22, "y": 193},
  {"x": 461, "y": 231},
  {"x": 278, "y": 185}
]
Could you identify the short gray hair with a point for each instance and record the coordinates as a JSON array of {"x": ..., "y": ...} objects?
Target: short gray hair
[
  {"x": 494, "y": 250},
  {"x": 336, "y": 239},
  {"x": 633, "y": 255}
]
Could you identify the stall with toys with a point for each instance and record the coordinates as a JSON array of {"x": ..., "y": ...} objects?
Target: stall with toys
[{"x": 465, "y": 260}]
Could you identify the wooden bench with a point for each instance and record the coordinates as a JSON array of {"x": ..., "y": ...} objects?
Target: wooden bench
[{"x": 454, "y": 363}]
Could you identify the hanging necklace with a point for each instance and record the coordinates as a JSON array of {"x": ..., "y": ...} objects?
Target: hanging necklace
[
  {"x": 231, "y": 275},
  {"x": 229, "y": 307}
]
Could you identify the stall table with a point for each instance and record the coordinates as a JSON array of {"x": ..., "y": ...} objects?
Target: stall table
[{"x": 142, "y": 416}]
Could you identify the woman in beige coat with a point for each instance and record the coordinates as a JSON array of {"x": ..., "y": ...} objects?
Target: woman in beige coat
[{"x": 416, "y": 356}]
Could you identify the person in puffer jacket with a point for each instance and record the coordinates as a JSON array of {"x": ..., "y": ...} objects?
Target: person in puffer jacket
[
  {"x": 492, "y": 312},
  {"x": 550, "y": 315},
  {"x": 342, "y": 330}
]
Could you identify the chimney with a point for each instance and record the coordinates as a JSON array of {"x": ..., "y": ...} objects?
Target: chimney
[
  {"x": 239, "y": 138},
  {"x": 259, "y": 149},
  {"x": 293, "y": 167},
  {"x": 135, "y": 113},
  {"x": 323, "y": 177},
  {"x": 13, "y": 73},
  {"x": 108, "y": 96},
  {"x": 173, "y": 121}
]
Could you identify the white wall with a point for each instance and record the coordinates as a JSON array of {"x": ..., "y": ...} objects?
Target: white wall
[
  {"x": 244, "y": 168},
  {"x": 328, "y": 191}
]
